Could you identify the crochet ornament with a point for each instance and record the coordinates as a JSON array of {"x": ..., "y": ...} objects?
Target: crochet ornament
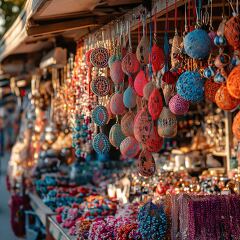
[
  {"x": 130, "y": 64},
  {"x": 129, "y": 147},
  {"x": 147, "y": 90},
  {"x": 155, "y": 104},
  {"x": 197, "y": 44},
  {"x": 190, "y": 86},
  {"x": 178, "y": 105},
  {"x": 129, "y": 97},
  {"x": 113, "y": 59},
  {"x": 100, "y": 115},
  {"x": 116, "y": 135},
  {"x": 146, "y": 165},
  {"x": 176, "y": 49},
  {"x": 233, "y": 82},
  {"x": 116, "y": 104},
  {"x": 236, "y": 126},
  {"x": 99, "y": 57},
  {"x": 127, "y": 124},
  {"x": 101, "y": 86},
  {"x": 140, "y": 82},
  {"x": 167, "y": 123},
  {"x": 224, "y": 100},
  {"x": 116, "y": 73},
  {"x": 101, "y": 143},
  {"x": 210, "y": 89},
  {"x": 157, "y": 57},
  {"x": 154, "y": 143},
  {"x": 142, "y": 53}
]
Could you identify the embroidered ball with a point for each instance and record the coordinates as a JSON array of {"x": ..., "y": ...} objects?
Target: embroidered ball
[
  {"x": 210, "y": 89},
  {"x": 130, "y": 64},
  {"x": 233, "y": 82},
  {"x": 113, "y": 58},
  {"x": 129, "y": 97},
  {"x": 116, "y": 135},
  {"x": 224, "y": 100},
  {"x": 142, "y": 53},
  {"x": 100, "y": 115},
  {"x": 127, "y": 124},
  {"x": 101, "y": 86},
  {"x": 178, "y": 105},
  {"x": 116, "y": 73},
  {"x": 147, "y": 90},
  {"x": 190, "y": 86},
  {"x": 169, "y": 78},
  {"x": 197, "y": 44},
  {"x": 140, "y": 82},
  {"x": 129, "y": 147},
  {"x": 236, "y": 126},
  {"x": 154, "y": 142},
  {"x": 157, "y": 55},
  {"x": 99, "y": 57},
  {"x": 145, "y": 164},
  {"x": 87, "y": 58},
  {"x": 155, "y": 104},
  {"x": 101, "y": 143},
  {"x": 116, "y": 104}
]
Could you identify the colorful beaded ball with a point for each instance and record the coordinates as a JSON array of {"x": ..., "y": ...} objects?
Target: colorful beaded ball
[
  {"x": 236, "y": 126},
  {"x": 147, "y": 90},
  {"x": 190, "y": 86},
  {"x": 140, "y": 82},
  {"x": 129, "y": 147},
  {"x": 197, "y": 44},
  {"x": 130, "y": 64},
  {"x": 116, "y": 104},
  {"x": 100, "y": 115},
  {"x": 154, "y": 142},
  {"x": 146, "y": 165},
  {"x": 101, "y": 143},
  {"x": 142, "y": 50},
  {"x": 99, "y": 57},
  {"x": 157, "y": 57},
  {"x": 101, "y": 86},
  {"x": 127, "y": 124},
  {"x": 224, "y": 100},
  {"x": 152, "y": 222},
  {"x": 129, "y": 97},
  {"x": 210, "y": 89},
  {"x": 155, "y": 104},
  {"x": 116, "y": 73},
  {"x": 87, "y": 58},
  {"x": 116, "y": 135},
  {"x": 178, "y": 105},
  {"x": 233, "y": 82}
]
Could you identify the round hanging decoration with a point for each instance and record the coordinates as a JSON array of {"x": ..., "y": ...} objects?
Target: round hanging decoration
[
  {"x": 232, "y": 32},
  {"x": 236, "y": 126},
  {"x": 140, "y": 82},
  {"x": 100, "y": 115},
  {"x": 101, "y": 143},
  {"x": 220, "y": 41},
  {"x": 210, "y": 89},
  {"x": 178, "y": 105},
  {"x": 219, "y": 78},
  {"x": 101, "y": 86},
  {"x": 176, "y": 50},
  {"x": 87, "y": 58},
  {"x": 129, "y": 97},
  {"x": 197, "y": 44},
  {"x": 209, "y": 72},
  {"x": 190, "y": 86},
  {"x": 146, "y": 165},
  {"x": 147, "y": 90},
  {"x": 130, "y": 64},
  {"x": 154, "y": 143},
  {"x": 116, "y": 135},
  {"x": 116, "y": 104},
  {"x": 142, "y": 50},
  {"x": 116, "y": 73},
  {"x": 167, "y": 123},
  {"x": 155, "y": 104},
  {"x": 112, "y": 59},
  {"x": 212, "y": 36},
  {"x": 157, "y": 55},
  {"x": 99, "y": 57},
  {"x": 233, "y": 82},
  {"x": 127, "y": 124},
  {"x": 222, "y": 60},
  {"x": 143, "y": 125},
  {"x": 169, "y": 78},
  {"x": 224, "y": 100},
  {"x": 129, "y": 147}
]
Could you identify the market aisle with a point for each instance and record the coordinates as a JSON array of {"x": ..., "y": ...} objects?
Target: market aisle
[{"x": 5, "y": 228}]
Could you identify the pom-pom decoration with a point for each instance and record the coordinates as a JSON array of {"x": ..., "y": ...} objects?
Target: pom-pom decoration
[
  {"x": 116, "y": 104},
  {"x": 233, "y": 82},
  {"x": 154, "y": 143},
  {"x": 130, "y": 64},
  {"x": 129, "y": 97},
  {"x": 100, "y": 115},
  {"x": 142, "y": 50},
  {"x": 147, "y": 90},
  {"x": 99, "y": 57},
  {"x": 101, "y": 86},
  {"x": 197, "y": 44},
  {"x": 178, "y": 105},
  {"x": 157, "y": 57},
  {"x": 116, "y": 135},
  {"x": 101, "y": 143},
  {"x": 224, "y": 100},
  {"x": 236, "y": 126},
  {"x": 167, "y": 123},
  {"x": 140, "y": 82},
  {"x": 116, "y": 73},
  {"x": 87, "y": 58},
  {"x": 190, "y": 86},
  {"x": 129, "y": 147},
  {"x": 145, "y": 164},
  {"x": 155, "y": 104},
  {"x": 127, "y": 124},
  {"x": 210, "y": 89}
]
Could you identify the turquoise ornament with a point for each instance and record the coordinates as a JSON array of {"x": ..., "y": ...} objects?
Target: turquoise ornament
[
  {"x": 219, "y": 78},
  {"x": 220, "y": 41},
  {"x": 197, "y": 44},
  {"x": 100, "y": 115},
  {"x": 209, "y": 72},
  {"x": 129, "y": 97},
  {"x": 116, "y": 135},
  {"x": 101, "y": 143}
]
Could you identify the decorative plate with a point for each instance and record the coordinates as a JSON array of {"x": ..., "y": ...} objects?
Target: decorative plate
[
  {"x": 99, "y": 57},
  {"x": 101, "y": 86}
]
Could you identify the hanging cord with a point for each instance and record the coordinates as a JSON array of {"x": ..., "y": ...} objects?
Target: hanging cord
[
  {"x": 185, "y": 16},
  {"x": 198, "y": 6},
  {"x": 189, "y": 14},
  {"x": 175, "y": 15},
  {"x": 129, "y": 36},
  {"x": 210, "y": 21},
  {"x": 155, "y": 26},
  {"x": 193, "y": 11},
  {"x": 166, "y": 42}
]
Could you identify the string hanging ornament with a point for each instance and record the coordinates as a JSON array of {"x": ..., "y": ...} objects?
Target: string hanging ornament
[
  {"x": 178, "y": 105},
  {"x": 233, "y": 82},
  {"x": 127, "y": 124},
  {"x": 212, "y": 34},
  {"x": 154, "y": 142},
  {"x": 155, "y": 104},
  {"x": 116, "y": 135},
  {"x": 129, "y": 95},
  {"x": 129, "y": 147},
  {"x": 236, "y": 126},
  {"x": 101, "y": 144},
  {"x": 140, "y": 82}
]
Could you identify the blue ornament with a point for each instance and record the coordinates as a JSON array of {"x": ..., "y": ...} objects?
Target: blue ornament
[
  {"x": 235, "y": 60},
  {"x": 209, "y": 72},
  {"x": 101, "y": 143},
  {"x": 219, "y": 78},
  {"x": 129, "y": 97},
  {"x": 197, "y": 44},
  {"x": 190, "y": 86},
  {"x": 100, "y": 115},
  {"x": 78, "y": 152},
  {"x": 220, "y": 41}
]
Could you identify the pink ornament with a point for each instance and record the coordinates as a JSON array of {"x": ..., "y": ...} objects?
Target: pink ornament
[
  {"x": 116, "y": 72},
  {"x": 178, "y": 105},
  {"x": 140, "y": 82},
  {"x": 129, "y": 147},
  {"x": 155, "y": 104},
  {"x": 155, "y": 142},
  {"x": 130, "y": 64},
  {"x": 116, "y": 104}
]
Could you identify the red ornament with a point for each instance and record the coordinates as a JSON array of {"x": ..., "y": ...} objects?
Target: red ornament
[
  {"x": 116, "y": 73},
  {"x": 157, "y": 55},
  {"x": 210, "y": 89},
  {"x": 155, "y": 104},
  {"x": 154, "y": 143},
  {"x": 140, "y": 82},
  {"x": 130, "y": 64},
  {"x": 169, "y": 77}
]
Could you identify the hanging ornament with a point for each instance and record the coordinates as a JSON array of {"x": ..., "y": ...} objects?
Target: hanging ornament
[
  {"x": 140, "y": 82},
  {"x": 155, "y": 104},
  {"x": 219, "y": 78},
  {"x": 167, "y": 123},
  {"x": 210, "y": 89},
  {"x": 157, "y": 58},
  {"x": 146, "y": 165},
  {"x": 190, "y": 86},
  {"x": 222, "y": 60},
  {"x": 212, "y": 35},
  {"x": 127, "y": 124},
  {"x": 129, "y": 147},
  {"x": 113, "y": 58},
  {"x": 87, "y": 58},
  {"x": 169, "y": 78},
  {"x": 129, "y": 96},
  {"x": 116, "y": 135},
  {"x": 130, "y": 64},
  {"x": 209, "y": 72},
  {"x": 116, "y": 104},
  {"x": 236, "y": 126},
  {"x": 224, "y": 100},
  {"x": 101, "y": 86},
  {"x": 176, "y": 49},
  {"x": 100, "y": 115},
  {"x": 147, "y": 90},
  {"x": 99, "y": 57},
  {"x": 101, "y": 143},
  {"x": 178, "y": 105},
  {"x": 233, "y": 82},
  {"x": 110, "y": 114},
  {"x": 116, "y": 73},
  {"x": 154, "y": 142}
]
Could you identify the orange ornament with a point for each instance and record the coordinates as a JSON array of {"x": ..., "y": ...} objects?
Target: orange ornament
[
  {"x": 210, "y": 89},
  {"x": 236, "y": 126},
  {"x": 224, "y": 100},
  {"x": 233, "y": 82}
]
